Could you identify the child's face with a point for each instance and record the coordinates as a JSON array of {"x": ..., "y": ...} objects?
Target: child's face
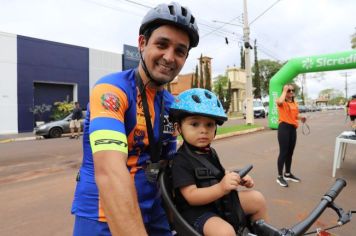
[{"x": 198, "y": 131}]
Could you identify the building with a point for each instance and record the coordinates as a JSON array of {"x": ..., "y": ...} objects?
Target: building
[
  {"x": 237, "y": 77},
  {"x": 184, "y": 82},
  {"x": 181, "y": 83},
  {"x": 35, "y": 71}
]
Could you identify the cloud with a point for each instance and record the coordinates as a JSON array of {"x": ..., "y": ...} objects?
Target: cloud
[{"x": 291, "y": 28}]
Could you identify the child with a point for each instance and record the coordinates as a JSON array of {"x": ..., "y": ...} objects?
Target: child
[{"x": 197, "y": 112}]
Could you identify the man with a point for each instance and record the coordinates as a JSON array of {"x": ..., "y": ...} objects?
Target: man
[
  {"x": 75, "y": 122},
  {"x": 351, "y": 110},
  {"x": 127, "y": 133}
]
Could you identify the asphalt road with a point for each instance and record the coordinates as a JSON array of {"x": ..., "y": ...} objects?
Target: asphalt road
[{"x": 37, "y": 178}]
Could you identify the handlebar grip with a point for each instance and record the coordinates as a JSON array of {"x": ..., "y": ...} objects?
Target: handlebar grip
[
  {"x": 244, "y": 171},
  {"x": 336, "y": 188}
]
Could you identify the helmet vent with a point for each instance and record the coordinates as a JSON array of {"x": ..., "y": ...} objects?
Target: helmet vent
[
  {"x": 207, "y": 95},
  {"x": 184, "y": 11},
  {"x": 218, "y": 103},
  {"x": 171, "y": 10},
  {"x": 196, "y": 98},
  {"x": 192, "y": 19}
]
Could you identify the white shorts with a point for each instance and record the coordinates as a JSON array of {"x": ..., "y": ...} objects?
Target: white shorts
[{"x": 74, "y": 124}]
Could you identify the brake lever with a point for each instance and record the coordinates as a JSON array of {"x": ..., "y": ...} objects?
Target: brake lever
[{"x": 344, "y": 217}]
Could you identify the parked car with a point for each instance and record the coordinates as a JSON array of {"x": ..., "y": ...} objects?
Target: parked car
[
  {"x": 302, "y": 108},
  {"x": 258, "y": 109},
  {"x": 55, "y": 129}
]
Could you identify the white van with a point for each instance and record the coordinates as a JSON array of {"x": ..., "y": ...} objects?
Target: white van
[{"x": 258, "y": 109}]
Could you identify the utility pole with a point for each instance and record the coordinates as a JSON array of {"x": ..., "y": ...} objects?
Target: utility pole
[
  {"x": 304, "y": 88},
  {"x": 248, "y": 86},
  {"x": 346, "y": 89}
]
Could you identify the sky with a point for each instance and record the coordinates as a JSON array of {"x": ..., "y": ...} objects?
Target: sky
[{"x": 284, "y": 29}]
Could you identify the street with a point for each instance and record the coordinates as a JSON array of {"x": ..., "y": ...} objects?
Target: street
[{"x": 37, "y": 178}]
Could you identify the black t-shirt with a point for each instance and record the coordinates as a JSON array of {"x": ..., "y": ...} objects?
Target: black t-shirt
[
  {"x": 77, "y": 114},
  {"x": 183, "y": 174}
]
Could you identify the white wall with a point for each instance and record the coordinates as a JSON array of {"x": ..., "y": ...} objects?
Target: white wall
[
  {"x": 102, "y": 63},
  {"x": 8, "y": 83}
]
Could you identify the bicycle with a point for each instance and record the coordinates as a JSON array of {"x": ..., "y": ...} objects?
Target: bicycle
[{"x": 261, "y": 228}]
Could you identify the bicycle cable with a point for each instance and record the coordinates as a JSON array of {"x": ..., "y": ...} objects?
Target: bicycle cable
[
  {"x": 332, "y": 227},
  {"x": 318, "y": 230},
  {"x": 305, "y": 129}
]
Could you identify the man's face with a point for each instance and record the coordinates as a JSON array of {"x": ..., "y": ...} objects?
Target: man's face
[{"x": 165, "y": 52}]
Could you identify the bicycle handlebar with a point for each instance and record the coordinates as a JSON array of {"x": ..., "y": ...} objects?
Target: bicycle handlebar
[
  {"x": 244, "y": 171},
  {"x": 265, "y": 229}
]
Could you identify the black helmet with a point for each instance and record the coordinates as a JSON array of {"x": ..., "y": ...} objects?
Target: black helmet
[
  {"x": 173, "y": 14},
  {"x": 354, "y": 96}
]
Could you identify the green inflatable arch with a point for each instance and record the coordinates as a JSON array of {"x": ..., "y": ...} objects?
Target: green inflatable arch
[{"x": 328, "y": 62}]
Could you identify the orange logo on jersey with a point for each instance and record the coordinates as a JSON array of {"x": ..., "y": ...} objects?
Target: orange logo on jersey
[{"x": 110, "y": 101}]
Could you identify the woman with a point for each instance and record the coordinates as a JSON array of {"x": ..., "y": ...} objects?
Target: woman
[{"x": 287, "y": 134}]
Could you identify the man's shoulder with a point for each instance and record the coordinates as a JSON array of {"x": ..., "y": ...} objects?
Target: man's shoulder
[{"x": 123, "y": 79}]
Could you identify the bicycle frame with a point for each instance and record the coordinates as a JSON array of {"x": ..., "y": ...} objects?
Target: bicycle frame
[{"x": 263, "y": 229}]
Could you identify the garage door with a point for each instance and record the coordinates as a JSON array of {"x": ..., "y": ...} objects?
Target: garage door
[{"x": 47, "y": 93}]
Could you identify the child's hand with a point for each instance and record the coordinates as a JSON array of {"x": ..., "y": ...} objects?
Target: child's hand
[
  {"x": 247, "y": 182},
  {"x": 230, "y": 181}
]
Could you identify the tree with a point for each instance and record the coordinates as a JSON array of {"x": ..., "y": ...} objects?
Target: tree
[
  {"x": 207, "y": 77},
  {"x": 222, "y": 87},
  {"x": 330, "y": 93},
  {"x": 353, "y": 41},
  {"x": 267, "y": 69},
  {"x": 256, "y": 81},
  {"x": 196, "y": 79},
  {"x": 61, "y": 110},
  {"x": 201, "y": 81},
  {"x": 220, "y": 80},
  {"x": 192, "y": 81},
  {"x": 242, "y": 58},
  {"x": 39, "y": 110}
]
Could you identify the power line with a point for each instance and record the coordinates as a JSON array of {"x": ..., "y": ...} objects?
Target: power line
[
  {"x": 264, "y": 12},
  {"x": 217, "y": 31},
  {"x": 137, "y": 3},
  {"x": 218, "y": 28}
]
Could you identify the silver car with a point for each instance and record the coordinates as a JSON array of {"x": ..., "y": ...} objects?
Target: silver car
[{"x": 55, "y": 129}]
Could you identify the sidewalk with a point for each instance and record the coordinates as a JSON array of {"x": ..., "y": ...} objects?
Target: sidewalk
[{"x": 6, "y": 138}]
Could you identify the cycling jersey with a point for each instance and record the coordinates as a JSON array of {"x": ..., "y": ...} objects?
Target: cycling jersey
[
  {"x": 115, "y": 121},
  {"x": 352, "y": 107}
]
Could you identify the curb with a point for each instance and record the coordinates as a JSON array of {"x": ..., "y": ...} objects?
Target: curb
[
  {"x": 236, "y": 133},
  {"x": 27, "y": 138},
  {"x": 220, "y": 136},
  {"x": 20, "y": 139}
]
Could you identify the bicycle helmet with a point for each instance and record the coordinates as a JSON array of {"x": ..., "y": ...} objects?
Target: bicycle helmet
[
  {"x": 172, "y": 14},
  {"x": 354, "y": 96},
  {"x": 198, "y": 101}
]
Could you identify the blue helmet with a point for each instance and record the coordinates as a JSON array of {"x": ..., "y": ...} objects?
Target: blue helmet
[{"x": 198, "y": 101}]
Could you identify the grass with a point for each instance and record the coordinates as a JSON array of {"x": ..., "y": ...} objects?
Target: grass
[{"x": 232, "y": 128}]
